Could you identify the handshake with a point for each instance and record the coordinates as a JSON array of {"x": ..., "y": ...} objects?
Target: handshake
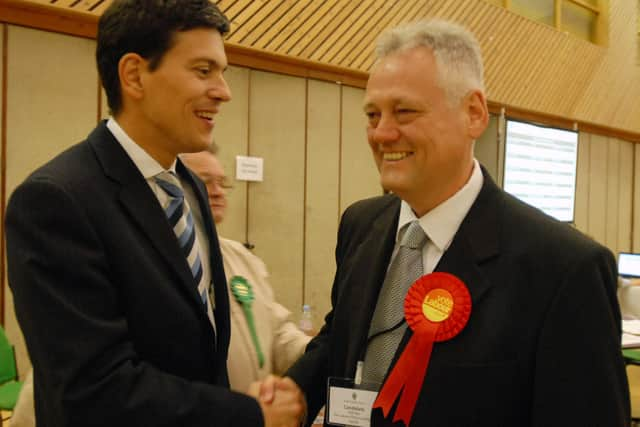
[{"x": 281, "y": 401}]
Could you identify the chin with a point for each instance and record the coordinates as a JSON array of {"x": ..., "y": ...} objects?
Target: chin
[{"x": 390, "y": 184}]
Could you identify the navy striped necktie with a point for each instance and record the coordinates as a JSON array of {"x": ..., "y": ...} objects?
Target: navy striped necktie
[{"x": 181, "y": 221}]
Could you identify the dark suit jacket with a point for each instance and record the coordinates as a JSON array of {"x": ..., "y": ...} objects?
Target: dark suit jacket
[
  {"x": 107, "y": 303},
  {"x": 542, "y": 345}
]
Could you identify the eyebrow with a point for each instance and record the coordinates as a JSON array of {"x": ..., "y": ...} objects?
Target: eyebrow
[
  {"x": 368, "y": 105},
  {"x": 211, "y": 62}
]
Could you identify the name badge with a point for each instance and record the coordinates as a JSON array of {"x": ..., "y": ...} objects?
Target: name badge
[{"x": 348, "y": 404}]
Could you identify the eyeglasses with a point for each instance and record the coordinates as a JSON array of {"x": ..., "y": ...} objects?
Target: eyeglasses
[{"x": 221, "y": 181}]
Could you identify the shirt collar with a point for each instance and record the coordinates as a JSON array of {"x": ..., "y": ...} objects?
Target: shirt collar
[
  {"x": 147, "y": 165},
  {"x": 442, "y": 222}
]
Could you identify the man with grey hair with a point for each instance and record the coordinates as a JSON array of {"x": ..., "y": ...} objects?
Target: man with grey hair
[{"x": 519, "y": 322}]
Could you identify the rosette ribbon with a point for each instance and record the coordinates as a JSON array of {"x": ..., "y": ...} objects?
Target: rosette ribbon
[
  {"x": 436, "y": 308},
  {"x": 243, "y": 293}
]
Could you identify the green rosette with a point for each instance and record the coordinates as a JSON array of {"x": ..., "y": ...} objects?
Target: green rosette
[{"x": 243, "y": 293}]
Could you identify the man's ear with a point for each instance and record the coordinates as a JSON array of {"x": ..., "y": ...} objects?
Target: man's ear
[
  {"x": 475, "y": 105},
  {"x": 130, "y": 69}
]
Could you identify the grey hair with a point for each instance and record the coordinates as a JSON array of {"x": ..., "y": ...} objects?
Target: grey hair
[{"x": 455, "y": 49}]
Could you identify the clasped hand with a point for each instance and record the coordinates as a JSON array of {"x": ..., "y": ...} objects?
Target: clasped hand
[{"x": 281, "y": 401}]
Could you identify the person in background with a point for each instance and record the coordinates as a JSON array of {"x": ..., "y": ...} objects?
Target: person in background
[
  {"x": 531, "y": 323},
  {"x": 112, "y": 253},
  {"x": 263, "y": 339}
]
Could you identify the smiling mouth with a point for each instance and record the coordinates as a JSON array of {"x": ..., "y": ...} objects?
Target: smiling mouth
[
  {"x": 395, "y": 156},
  {"x": 207, "y": 115}
]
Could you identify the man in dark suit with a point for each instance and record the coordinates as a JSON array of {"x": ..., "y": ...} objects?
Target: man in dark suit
[
  {"x": 541, "y": 346},
  {"x": 113, "y": 256}
]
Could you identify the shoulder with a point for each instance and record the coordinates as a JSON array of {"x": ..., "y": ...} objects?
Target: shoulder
[
  {"x": 237, "y": 256},
  {"x": 232, "y": 246},
  {"x": 535, "y": 232},
  {"x": 362, "y": 213}
]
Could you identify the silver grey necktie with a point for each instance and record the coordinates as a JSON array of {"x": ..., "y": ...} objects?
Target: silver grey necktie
[{"x": 388, "y": 325}]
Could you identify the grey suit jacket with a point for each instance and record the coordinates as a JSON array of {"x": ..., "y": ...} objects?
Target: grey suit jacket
[
  {"x": 107, "y": 303},
  {"x": 542, "y": 345}
]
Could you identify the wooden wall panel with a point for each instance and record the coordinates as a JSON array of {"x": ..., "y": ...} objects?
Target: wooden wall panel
[
  {"x": 359, "y": 177},
  {"x": 611, "y": 221},
  {"x": 581, "y": 214},
  {"x": 486, "y": 148},
  {"x": 322, "y": 189},
  {"x": 46, "y": 111},
  {"x": 625, "y": 196},
  {"x": 598, "y": 189},
  {"x": 232, "y": 136},
  {"x": 276, "y": 206},
  {"x": 4, "y": 288},
  {"x": 636, "y": 201}
]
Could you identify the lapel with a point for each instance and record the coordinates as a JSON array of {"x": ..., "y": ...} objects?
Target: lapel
[
  {"x": 475, "y": 242},
  {"x": 142, "y": 205},
  {"x": 363, "y": 283}
]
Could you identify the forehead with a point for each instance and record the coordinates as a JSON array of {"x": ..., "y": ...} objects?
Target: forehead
[
  {"x": 407, "y": 75},
  {"x": 203, "y": 162},
  {"x": 198, "y": 43}
]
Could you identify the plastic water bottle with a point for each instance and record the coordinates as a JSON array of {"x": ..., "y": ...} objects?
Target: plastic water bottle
[{"x": 306, "y": 321}]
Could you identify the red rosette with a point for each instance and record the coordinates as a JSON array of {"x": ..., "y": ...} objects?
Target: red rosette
[
  {"x": 436, "y": 308},
  {"x": 414, "y": 301}
]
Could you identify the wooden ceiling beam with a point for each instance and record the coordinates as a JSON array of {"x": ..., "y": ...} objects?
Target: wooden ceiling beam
[{"x": 50, "y": 18}]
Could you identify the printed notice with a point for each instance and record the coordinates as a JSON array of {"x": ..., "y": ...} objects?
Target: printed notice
[
  {"x": 249, "y": 168},
  {"x": 350, "y": 407}
]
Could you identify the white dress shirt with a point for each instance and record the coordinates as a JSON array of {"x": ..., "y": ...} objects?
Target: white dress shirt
[{"x": 442, "y": 222}]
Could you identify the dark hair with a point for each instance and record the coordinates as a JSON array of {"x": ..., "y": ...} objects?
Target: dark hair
[{"x": 146, "y": 27}]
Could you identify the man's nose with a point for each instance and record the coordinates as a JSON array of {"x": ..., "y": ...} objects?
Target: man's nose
[
  {"x": 385, "y": 131},
  {"x": 220, "y": 89}
]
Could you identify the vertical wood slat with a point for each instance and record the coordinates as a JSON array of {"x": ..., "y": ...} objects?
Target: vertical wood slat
[
  {"x": 4, "y": 289},
  {"x": 231, "y": 134},
  {"x": 359, "y": 176},
  {"x": 322, "y": 195},
  {"x": 581, "y": 214},
  {"x": 598, "y": 188},
  {"x": 625, "y": 196},
  {"x": 486, "y": 148},
  {"x": 635, "y": 230},
  {"x": 612, "y": 194},
  {"x": 276, "y": 205}
]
